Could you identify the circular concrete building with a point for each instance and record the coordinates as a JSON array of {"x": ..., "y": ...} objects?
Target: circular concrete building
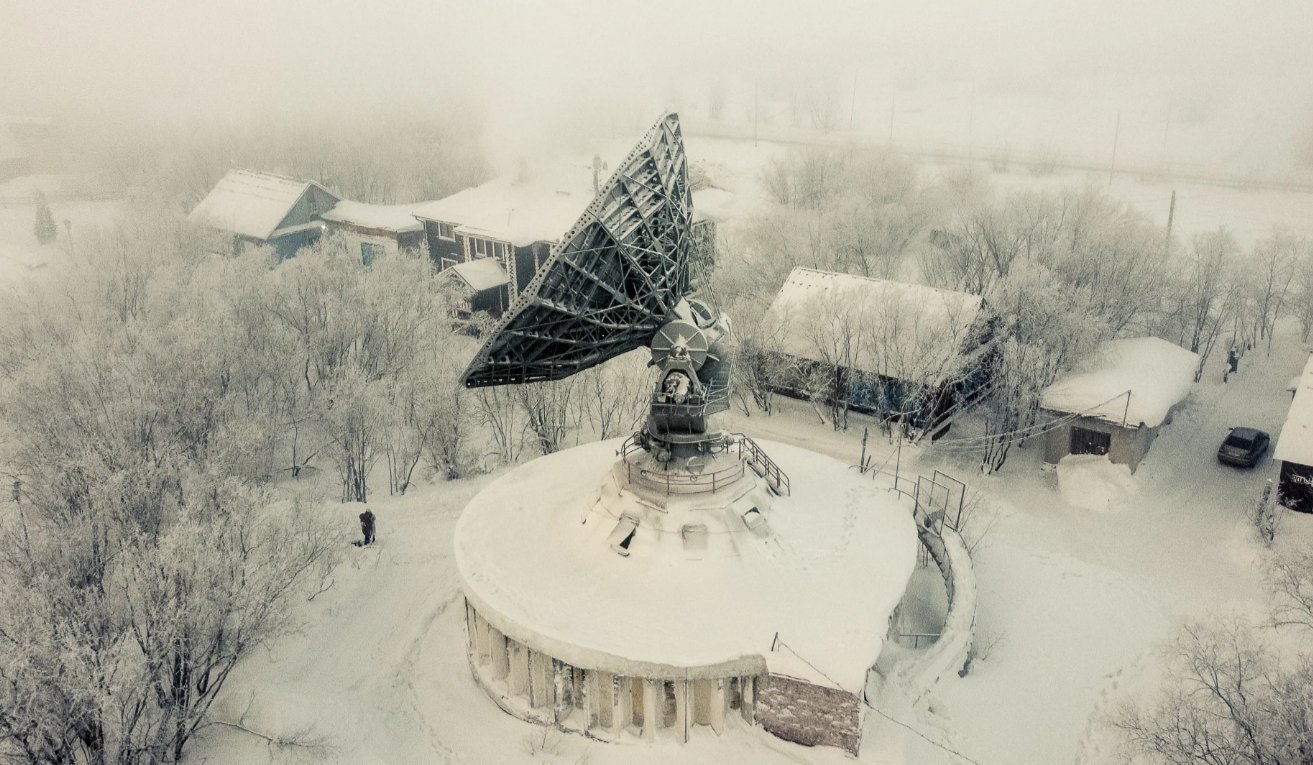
[
  {"x": 607, "y": 593},
  {"x": 677, "y": 580}
]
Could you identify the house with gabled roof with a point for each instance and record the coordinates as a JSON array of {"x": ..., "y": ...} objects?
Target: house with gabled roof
[
  {"x": 905, "y": 352},
  {"x": 515, "y": 220},
  {"x": 264, "y": 208}
]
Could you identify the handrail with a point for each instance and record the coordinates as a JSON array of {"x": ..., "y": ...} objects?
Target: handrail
[
  {"x": 695, "y": 483},
  {"x": 770, "y": 470}
]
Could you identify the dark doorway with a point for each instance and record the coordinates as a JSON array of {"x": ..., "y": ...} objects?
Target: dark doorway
[{"x": 1090, "y": 441}]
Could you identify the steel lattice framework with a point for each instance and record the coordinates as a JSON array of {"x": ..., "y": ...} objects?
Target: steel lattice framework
[{"x": 613, "y": 279}]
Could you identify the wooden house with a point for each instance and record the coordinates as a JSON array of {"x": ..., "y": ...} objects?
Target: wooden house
[
  {"x": 516, "y": 220},
  {"x": 905, "y": 352},
  {"x": 266, "y": 209}
]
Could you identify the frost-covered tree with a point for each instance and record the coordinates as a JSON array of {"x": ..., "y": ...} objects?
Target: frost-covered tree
[
  {"x": 44, "y": 228},
  {"x": 1228, "y": 697},
  {"x": 550, "y": 411},
  {"x": 1207, "y": 292},
  {"x": 1272, "y": 267},
  {"x": 613, "y": 397},
  {"x": 1041, "y": 329}
]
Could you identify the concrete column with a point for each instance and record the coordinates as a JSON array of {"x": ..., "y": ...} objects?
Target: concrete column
[
  {"x": 482, "y": 651},
  {"x": 702, "y": 701},
  {"x": 681, "y": 709},
  {"x": 652, "y": 712},
  {"x": 501, "y": 663},
  {"x": 470, "y": 626},
  {"x": 592, "y": 695},
  {"x": 518, "y": 685},
  {"x": 560, "y": 680},
  {"x": 718, "y": 706},
  {"x": 605, "y": 700},
  {"x": 624, "y": 706},
  {"x": 540, "y": 679},
  {"x": 748, "y": 707}
]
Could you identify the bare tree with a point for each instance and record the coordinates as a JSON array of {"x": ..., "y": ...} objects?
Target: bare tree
[
  {"x": 613, "y": 397},
  {"x": 1228, "y": 698},
  {"x": 1272, "y": 270},
  {"x": 549, "y": 410},
  {"x": 1209, "y": 291}
]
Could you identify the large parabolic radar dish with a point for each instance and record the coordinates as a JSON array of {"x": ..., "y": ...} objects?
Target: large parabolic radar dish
[{"x": 613, "y": 279}]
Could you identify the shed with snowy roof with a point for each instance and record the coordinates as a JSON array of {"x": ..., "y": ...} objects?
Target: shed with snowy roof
[
  {"x": 263, "y": 208},
  {"x": 1116, "y": 401},
  {"x": 484, "y": 283},
  {"x": 894, "y": 348},
  {"x": 1295, "y": 447}
]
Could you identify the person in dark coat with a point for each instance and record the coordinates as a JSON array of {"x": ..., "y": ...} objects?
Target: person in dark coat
[
  {"x": 367, "y": 526},
  {"x": 1232, "y": 364}
]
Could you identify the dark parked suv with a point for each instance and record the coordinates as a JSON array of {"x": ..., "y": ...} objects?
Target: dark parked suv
[{"x": 1243, "y": 447}]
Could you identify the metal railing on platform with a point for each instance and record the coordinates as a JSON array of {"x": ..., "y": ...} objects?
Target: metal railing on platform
[
  {"x": 750, "y": 454},
  {"x": 765, "y": 466}
]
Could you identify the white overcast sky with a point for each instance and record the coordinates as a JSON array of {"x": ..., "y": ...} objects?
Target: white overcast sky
[{"x": 520, "y": 61}]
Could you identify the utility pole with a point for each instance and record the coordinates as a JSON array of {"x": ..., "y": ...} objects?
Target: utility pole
[
  {"x": 1171, "y": 215},
  {"x": 1116, "y": 133}
]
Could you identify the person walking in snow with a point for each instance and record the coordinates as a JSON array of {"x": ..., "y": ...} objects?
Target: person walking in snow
[
  {"x": 1232, "y": 364},
  {"x": 367, "y": 527}
]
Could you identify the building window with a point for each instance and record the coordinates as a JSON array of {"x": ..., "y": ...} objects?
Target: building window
[
  {"x": 369, "y": 251},
  {"x": 446, "y": 231},
  {"x": 487, "y": 248}
]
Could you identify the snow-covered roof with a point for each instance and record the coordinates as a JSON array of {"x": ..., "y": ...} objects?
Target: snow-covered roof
[
  {"x": 387, "y": 217},
  {"x": 903, "y": 331},
  {"x": 537, "y": 205},
  {"x": 1295, "y": 444},
  {"x": 534, "y": 554},
  {"x": 1157, "y": 374},
  {"x": 250, "y": 203},
  {"x": 481, "y": 273}
]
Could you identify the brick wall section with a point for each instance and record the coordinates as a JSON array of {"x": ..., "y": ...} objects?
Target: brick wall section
[{"x": 809, "y": 714}]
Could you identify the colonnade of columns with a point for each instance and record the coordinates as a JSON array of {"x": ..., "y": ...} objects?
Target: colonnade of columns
[{"x": 543, "y": 689}]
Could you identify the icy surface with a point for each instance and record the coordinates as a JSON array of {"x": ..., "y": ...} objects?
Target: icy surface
[
  {"x": 1158, "y": 375},
  {"x": 826, "y": 581}
]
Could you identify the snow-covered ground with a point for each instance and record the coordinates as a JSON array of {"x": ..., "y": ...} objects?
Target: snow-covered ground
[
  {"x": 1071, "y": 601},
  {"x": 1071, "y": 605},
  {"x": 21, "y": 255}
]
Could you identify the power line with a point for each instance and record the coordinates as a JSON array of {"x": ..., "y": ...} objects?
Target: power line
[
  {"x": 923, "y": 736},
  {"x": 781, "y": 644},
  {"x": 975, "y": 442}
]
